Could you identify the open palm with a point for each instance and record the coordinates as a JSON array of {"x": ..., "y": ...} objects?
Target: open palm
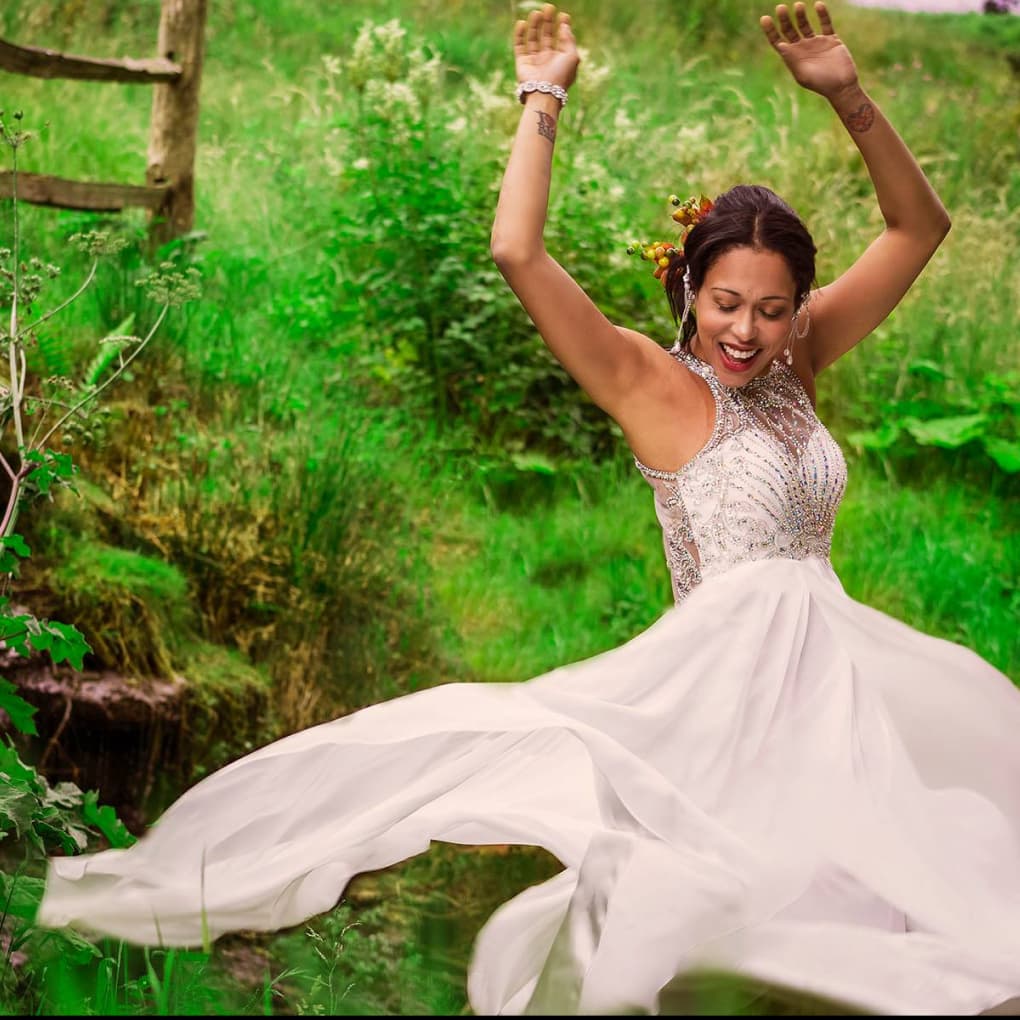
[
  {"x": 821, "y": 63},
  {"x": 544, "y": 48}
]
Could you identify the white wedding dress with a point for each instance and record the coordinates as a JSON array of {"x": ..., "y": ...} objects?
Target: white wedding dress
[{"x": 772, "y": 779}]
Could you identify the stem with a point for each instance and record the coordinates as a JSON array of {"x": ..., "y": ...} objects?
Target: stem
[
  {"x": 74, "y": 297},
  {"x": 40, "y": 424},
  {"x": 11, "y": 513},
  {"x": 12, "y": 355},
  {"x": 113, "y": 378}
]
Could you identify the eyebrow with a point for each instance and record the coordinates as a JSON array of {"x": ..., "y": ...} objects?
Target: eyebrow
[{"x": 770, "y": 297}]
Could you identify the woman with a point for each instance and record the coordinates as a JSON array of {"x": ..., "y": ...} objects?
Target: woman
[{"x": 772, "y": 778}]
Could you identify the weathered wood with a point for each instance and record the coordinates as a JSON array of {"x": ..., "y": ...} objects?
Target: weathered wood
[
  {"x": 42, "y": 63},
  {"x": 41, "y": 189},
  {"x": 172, "y": 137}
]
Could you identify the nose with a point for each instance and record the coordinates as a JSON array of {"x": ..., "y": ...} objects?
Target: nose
[{"x": 743, "y": 326}]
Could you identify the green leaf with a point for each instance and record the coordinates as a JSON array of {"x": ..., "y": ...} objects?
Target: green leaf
[
  {"x": 19, "y": 710},
  {"x": 1005, "y": 453},
  {"x": 54, "y": 468},
  {"x": 72, "y": 946},
  {"x": 878, "y": 439},
  {"x": 59, "y": 817},
  {"x": 949, "y": 433},
  {"x": 70, "y": 836},
  {"x": 17, "y": 545},
  {"x": 928, "y": 370},
  {"x": 40, "y": 642},
  {"x": 17, "y": 809},
  {"x": 535, "y": 462},
  {"x": 11, "y": 548},
  {"x": 62, "y": 797},
  {"x": 106, "y": 821},
  {"x": 17, "y": 773},
  {"x": 68, "y": 643},
  {"x": 21, "y": 895}
]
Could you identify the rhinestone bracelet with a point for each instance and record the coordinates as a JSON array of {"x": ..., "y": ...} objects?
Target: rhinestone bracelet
[{"x": 542, "y": 86}]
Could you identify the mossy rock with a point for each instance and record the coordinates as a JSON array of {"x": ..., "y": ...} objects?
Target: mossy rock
[
  {"x": 141, "y": 741},
  {"x": 134, "y": 610}
]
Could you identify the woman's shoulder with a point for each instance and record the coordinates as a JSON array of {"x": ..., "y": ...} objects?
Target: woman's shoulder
[{"x": 671, "y": 411}]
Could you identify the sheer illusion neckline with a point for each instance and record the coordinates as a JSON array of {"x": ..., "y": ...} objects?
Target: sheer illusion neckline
[{"x": 707, "y": 372}]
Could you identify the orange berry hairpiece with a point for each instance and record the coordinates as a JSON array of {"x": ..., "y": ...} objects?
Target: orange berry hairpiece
[{"x": 662, "y": 253}]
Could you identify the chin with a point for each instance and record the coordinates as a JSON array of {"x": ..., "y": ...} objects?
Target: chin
[{"x": 739, "y": 368}]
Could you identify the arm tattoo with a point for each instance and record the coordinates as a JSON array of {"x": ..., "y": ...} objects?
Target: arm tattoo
[
  {"x": 546, "y": 126},
  {"x": 861, "y": 119}
]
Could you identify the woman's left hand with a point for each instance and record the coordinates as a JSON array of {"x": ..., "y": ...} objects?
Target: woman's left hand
[{"x": 821, "y": 63}]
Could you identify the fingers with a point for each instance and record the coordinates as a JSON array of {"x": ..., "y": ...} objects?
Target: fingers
[
  {"x": 543, "y": 29},
  {"x": 547, "y": 24},
  {"x": 823, "y": 19},
  {"x": 768, "y": 26},
  {"x": 534, "y": 32},
  {"x": 789, "y": 33},
  {"x": 564, "y": 33},
  {"x": 520, "y": 38},
  {"x": 800, "y": 12}
]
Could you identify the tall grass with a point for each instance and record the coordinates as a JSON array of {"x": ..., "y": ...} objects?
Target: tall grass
[{"x": 374, "y": 483}]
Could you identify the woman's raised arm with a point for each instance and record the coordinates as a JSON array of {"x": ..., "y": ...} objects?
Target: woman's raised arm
[
  {"x": 847, "y": 310},
  {"x": 620, "y": 369}
]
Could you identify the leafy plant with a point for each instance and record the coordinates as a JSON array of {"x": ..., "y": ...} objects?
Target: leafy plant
[
  {"x": 988, "y": 417},
  {"x": 434, "y": 321},
  {"x": 37, "y": 418}
]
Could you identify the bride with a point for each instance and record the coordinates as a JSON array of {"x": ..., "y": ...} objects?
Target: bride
[{"x": 772, "y": 779}]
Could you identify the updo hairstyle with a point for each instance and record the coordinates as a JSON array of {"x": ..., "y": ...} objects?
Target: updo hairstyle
[{"x": 746, "y": 216}]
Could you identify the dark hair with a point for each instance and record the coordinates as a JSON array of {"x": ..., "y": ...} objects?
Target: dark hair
[{"x": 746, "y": 216}]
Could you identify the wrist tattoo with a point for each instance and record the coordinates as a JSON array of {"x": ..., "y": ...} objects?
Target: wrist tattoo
[
  {"x": 861, "y": 119},
  {"x": 546, "y": 125}
]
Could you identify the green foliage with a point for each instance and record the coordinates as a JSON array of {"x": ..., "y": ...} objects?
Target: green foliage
[
  {"x": 18, "y": 710},
  {"x": 351, "y": 271},
  {"x": 120, "y": 981},
  {"x": 348, "y": 963},
  {"x": 26, "y": 634},
  {"x": 985, "y": 420},
  {"x": 105, "y": 819},
  {"x": 434, "y": 321},
  {"x": 133, "y": 608},
  {"x": 36, "y": 817},
  {"x": 45, "y": 817}
]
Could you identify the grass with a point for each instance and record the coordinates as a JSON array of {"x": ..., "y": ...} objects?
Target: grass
[
  {"x": 584, "y": 572},
  {"x": 281, "y": 448}
]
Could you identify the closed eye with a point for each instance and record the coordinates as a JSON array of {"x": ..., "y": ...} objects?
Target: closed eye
[{"x": 732, "y": 308}]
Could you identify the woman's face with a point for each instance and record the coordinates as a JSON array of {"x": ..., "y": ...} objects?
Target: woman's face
[{"x": 744, "y": 311}]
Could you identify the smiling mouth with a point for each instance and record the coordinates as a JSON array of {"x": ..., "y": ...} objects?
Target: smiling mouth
[{"x": 737, "y": 359}]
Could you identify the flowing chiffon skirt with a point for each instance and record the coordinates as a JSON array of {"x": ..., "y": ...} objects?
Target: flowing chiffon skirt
[{"x": 772, "y": 778}]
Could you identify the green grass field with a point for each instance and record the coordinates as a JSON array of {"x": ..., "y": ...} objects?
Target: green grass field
[{"x": 365, "y": 471}]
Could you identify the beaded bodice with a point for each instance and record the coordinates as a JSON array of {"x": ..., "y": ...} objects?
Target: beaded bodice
[{"x": 766, "y": 485}]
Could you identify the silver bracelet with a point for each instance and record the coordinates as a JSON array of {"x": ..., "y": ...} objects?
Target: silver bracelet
[{"x": 542, "y": 86}]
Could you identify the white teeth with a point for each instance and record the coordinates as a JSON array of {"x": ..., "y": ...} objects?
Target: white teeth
[{"x": 738, "y": 355}]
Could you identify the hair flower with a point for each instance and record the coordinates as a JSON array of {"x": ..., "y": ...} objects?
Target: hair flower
[{"x": 688, "y": 214}]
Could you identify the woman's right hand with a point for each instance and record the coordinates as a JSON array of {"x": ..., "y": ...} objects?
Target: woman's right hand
[{"x": 544, "y": 48}]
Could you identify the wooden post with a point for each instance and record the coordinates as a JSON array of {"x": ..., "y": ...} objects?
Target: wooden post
[{"x": 172, "y": 136}]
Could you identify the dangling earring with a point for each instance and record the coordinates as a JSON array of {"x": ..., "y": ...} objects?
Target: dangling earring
[
  {"x": 797, "y": 332},
  {"x": 801, "y": 333},
  {"x": 688, "y": 304}
]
